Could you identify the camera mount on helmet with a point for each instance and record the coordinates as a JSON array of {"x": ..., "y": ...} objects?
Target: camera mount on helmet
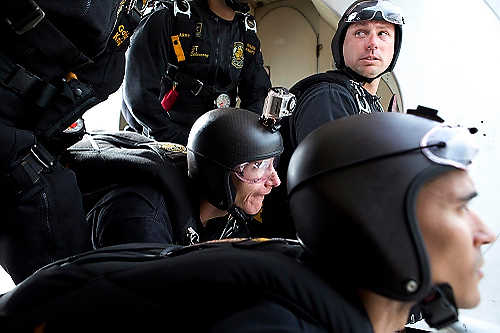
[{"x": 279, "y": 103}]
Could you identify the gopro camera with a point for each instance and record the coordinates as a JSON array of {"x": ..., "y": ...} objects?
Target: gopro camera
[{"x": 279, "y": 103}]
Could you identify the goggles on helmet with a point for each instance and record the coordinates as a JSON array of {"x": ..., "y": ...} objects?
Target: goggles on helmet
[
  {"x": 448, "y": 145},
  {"x": 445, "y": 145},
  {"x": 367, "y": 10},
  {"x": 256, "y": 171}
]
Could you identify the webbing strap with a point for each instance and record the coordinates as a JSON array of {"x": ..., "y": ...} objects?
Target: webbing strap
[
  {"x": 25, "y": 84},
  {"x": 28, "y": 169},
  {"x": 32, "y": 26}
]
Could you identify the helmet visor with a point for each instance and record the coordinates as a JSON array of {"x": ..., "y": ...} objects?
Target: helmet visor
[
  {"x": 447, "y": 145},
  {"x": 367, "y": 10},
  {"x": 255, "y": 171}
]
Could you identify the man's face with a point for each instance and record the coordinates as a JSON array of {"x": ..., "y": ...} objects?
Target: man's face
[
  {"x": 249, "y": 196},
  {"x": 453, "y": 234},
  {"x": 369, "y": 47}
]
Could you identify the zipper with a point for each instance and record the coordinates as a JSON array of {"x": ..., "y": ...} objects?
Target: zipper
[
  {"x": 217, "y": 50},
  {"x": 45, "y": 204}
]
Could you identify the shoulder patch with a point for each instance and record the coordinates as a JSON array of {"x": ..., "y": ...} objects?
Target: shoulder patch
[{"x": 250, "y": 23}]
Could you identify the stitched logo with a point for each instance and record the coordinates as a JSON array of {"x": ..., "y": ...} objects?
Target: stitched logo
[
  {"x": 195, "y": 52},
  {"x": 238, "y": 55}
]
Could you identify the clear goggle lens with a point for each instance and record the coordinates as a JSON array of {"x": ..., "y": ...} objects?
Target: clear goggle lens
[
  {"x": 256, "y": 171},
  {"x": 389, "y": 12},
  {"x": 454, "y": 146}
]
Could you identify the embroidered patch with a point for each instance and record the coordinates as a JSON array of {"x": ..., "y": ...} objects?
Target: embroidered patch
[
  {"x": 238, "y": 55},
  {"x": 196, "y": 53},
  {"x": 172, "y": 147},
  {"x": 250, "y": 48},
  {"x": 198, "y": 29},
  {"x": 121, "y": 35}
]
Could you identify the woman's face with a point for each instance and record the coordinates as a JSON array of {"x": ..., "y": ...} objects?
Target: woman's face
[{"x": 253, "y": 182}]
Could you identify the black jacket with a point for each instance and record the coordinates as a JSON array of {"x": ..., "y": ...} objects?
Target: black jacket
[
  {"x": 103, "y": 164},
  {"x": 325, "y": 97},
  {"x": 220, "y": 53},
  {"x": 320, "y": 98}
]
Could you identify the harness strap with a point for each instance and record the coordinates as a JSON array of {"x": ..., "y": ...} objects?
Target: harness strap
[
  {"x": 32, "y": 26},
  {"x": 194, "y": 85},
  {"x": 28, "y": 169},
  {"x": 182, "y": 23},
  {"x": 25, "y": 84}
]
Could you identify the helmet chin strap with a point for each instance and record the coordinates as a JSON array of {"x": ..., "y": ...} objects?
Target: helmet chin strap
[
  {"x": 438, "y": 308},
  {"x": 239, "y": 214},
  {"x": 236, "y": 223}
]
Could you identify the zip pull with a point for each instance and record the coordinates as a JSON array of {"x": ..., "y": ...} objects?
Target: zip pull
[{"x": 169, "y": 98}]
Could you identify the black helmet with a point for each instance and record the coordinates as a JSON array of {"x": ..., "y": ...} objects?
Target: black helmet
[
  {"x": 219, "y": 141},
  {"x": 363, "y": 10},
  {"x": 239, "y": 6},
  {"x": 358, "y": 175}
]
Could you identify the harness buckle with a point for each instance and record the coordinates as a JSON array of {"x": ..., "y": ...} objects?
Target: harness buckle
[
  {"x": 42, "y": 156},
  {"x": 29, "y": 21},
  {"x": 197, "y": 89}
]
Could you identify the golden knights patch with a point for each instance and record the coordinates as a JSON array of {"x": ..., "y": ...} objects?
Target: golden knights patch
[
  {"x": 238, "y": 55},
  {"x": 172, "y": 147}
]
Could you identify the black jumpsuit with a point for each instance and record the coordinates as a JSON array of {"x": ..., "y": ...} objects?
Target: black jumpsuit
[
  {"x": 40, "y": 199},
  {"x": 319, "y": 101},
  {"x": 222, "y": 54}
]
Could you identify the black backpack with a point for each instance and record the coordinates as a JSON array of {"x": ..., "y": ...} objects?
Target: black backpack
[{"x": 136, "y": 287}]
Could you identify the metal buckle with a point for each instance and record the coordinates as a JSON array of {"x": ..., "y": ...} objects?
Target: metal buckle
[
  {"x": 32, "y": 19},
  {"x": 42, "y": 156},
  {"x": 197, "y": 91}
]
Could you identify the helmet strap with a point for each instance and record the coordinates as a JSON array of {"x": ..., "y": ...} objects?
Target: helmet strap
[
  {"x": 438, "y": 308},
  {"x": 236, "y": 224}
]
